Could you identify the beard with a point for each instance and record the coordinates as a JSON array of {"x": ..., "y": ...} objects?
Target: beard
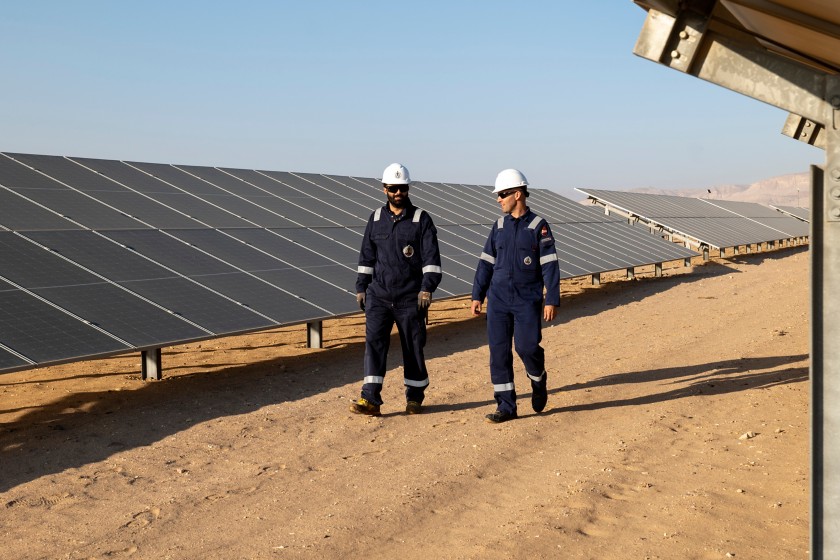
[{"x": 401, "y": 203}]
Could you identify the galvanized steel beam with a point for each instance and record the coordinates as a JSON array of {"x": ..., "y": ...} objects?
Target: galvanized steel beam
[
  {"x": 684, "y": 42},
  {"x": 825, "y": 339}
]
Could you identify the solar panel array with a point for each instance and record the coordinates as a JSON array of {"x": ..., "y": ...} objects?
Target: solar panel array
[
  {"x": 102, "y": 257},
  {"x": 713, "y": 223},
  {"x": 803, "y": 214}
]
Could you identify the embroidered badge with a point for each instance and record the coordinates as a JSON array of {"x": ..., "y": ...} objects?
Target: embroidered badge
[
  {"x": 408, "y": 251},
  {"x": 527, "y": 261},
  {"x": 544, "y": 231}
]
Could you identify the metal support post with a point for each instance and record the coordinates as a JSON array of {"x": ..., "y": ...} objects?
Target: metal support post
[
  {"x": 825, "y": 332},
  {"x": 657, "y": 270},
  {"x": 151, "y": 365},
  {"x": 313, "y": 334},
  {"x": 596, "y": 279}
]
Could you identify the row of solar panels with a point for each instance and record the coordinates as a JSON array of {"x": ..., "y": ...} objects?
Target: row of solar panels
[
  {"x": 101, "y": 257},
  {"x": 704, "y": 222},
  {"x": 803, "y": 214}
]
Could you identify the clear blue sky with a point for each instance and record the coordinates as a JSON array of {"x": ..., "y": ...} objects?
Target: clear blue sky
[{"x": 455, "y": 90}]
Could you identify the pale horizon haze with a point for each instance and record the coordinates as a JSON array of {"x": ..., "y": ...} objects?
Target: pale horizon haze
[{"x": 456, "y": 91}]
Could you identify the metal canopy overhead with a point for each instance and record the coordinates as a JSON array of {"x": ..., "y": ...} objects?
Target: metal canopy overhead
[
  {"x": 103, "y": 257},
  {"x": 785, "y": 53},
  {"x": 701, "y": 222}
]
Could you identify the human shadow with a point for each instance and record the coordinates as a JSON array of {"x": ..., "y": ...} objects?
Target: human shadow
[
  {"x": 714, "y": 378},
  {"x": 89, "y": 426}
]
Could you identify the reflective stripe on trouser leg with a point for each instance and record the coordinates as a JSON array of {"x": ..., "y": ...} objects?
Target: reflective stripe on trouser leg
[
  {"x": 411, "y": 327},
  {"x": 537, "y": 378},
  {"x": 378, "y": 322},
  {"x": 499, "y": 333},
  {"x": 539, "y": 381}
]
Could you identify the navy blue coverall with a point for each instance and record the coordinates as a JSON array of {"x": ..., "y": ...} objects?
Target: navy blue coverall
[
  {"x": 399, "y": 258},
  {"x": 518, "y": 260}
]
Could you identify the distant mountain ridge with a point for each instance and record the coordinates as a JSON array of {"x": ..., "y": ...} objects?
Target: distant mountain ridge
[{"x": 784, "y": 190}]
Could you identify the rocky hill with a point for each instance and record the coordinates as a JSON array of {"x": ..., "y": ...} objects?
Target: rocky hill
[{"x": 785, "y": 190}]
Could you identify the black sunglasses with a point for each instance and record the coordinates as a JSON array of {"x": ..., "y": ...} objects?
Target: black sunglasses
[
  {"x": 505, "y": 194},
  {"x": 394, "y": 188}
]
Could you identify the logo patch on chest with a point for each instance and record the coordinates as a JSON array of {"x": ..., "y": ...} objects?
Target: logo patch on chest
[
  {"x": 527, "y": 261},
  {"x": 408, "y": 251}
]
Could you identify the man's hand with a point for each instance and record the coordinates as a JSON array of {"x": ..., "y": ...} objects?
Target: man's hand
[
  {"x": 476, "y": 307},
  {"x": 548, "y": 313},
  {"x": 424, "y": 300},
  {"x": 360, "y": 299}
]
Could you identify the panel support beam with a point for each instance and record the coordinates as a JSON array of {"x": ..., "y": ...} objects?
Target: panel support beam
[
  {"x": 685, "y": 41},
  {"x": 151, "y": 366},
  {"x": 313, "y": 334}
]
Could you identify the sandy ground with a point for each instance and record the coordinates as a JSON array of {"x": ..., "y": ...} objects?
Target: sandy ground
[{"x": 677, "y": 428}]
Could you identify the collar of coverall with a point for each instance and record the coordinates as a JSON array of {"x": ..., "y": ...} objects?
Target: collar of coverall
[
  {"x": 526, "y": 213},
  {"x": 403, "y": 213}
]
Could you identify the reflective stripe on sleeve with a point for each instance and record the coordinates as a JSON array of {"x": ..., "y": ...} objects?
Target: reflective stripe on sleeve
[
  {"x": 548, "y": 258},
  {"x": 537, "y": 378},
  {"x": 431, "y": 268},
  {"x": 489, "y": 258},
  {"x": 415, "y": 383},
  {"x": 377, "y": 214},
  {"x": 379, "y": 380},
  {"x": 534, "y": 223},
  {"x": 500, "y": 223},
  {"x": 365, "y": 270},
  {"x": 503, "y": 387},
  {"x": 417, "y": 214}
]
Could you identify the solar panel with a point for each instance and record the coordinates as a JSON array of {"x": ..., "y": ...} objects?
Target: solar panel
[
  {"x": 10, "y": 361},
  {"x": 150, "y": 280},
  {"x": 331, "y": 210},
  {"x": 154, "y": 254},
  {"x": 88, "y": 296},
  {"x": 44, "y": 333},
  {"x": 61, "y": 199},
  {"x": 715, "y": 223},
  {"x": 332, "y": 242},
  {"x": 21, "y": 214},
  {"x": 109, "y": 192},
  {"x": 803, "y": 214},
  {"x": 214, "y": 273},
  {"x": 270, "y": 257}
]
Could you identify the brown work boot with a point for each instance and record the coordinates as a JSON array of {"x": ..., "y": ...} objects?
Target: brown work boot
[
  {"x": 363, "y": 406},
  {"x": 413, "y": 407}
]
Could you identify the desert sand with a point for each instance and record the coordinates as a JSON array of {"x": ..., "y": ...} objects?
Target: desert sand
[{"x": 677, "y": 428}]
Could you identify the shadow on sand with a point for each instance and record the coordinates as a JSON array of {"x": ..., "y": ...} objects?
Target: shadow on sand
[{"x": 84, "y": 427}]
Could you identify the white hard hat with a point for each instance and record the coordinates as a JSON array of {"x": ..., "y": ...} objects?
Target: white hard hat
[
  {"x": 395, "y": 174},
  {"x": 509, "y": 179}
]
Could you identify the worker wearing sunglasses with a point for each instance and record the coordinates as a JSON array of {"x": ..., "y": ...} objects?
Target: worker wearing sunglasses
[
  {"x": 399, "y": 268},
  {"x": 518, "y": 263}
]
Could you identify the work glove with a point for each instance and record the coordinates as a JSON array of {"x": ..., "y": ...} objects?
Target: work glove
[
  {"x": 360, "y": 299},
  {"x": 424, "y": 300}
]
